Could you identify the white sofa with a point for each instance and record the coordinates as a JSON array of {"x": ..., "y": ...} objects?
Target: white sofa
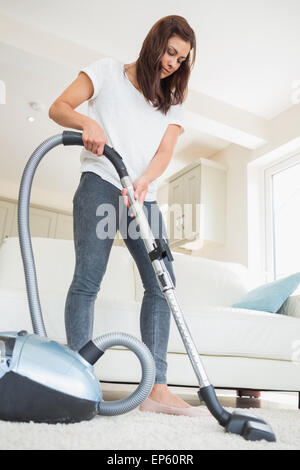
[{"x": 240, "y": 348}]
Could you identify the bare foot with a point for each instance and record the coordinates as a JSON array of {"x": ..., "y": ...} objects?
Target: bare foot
[{"x": 162, "y": 394}]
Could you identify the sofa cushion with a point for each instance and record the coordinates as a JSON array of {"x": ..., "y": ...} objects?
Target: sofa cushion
[
  {"x": 201, "y": 281},
  {"x": 270, "y": 297},
  {"x": 109, "y": 315},
  {"x": 117, "y": 317},
  {"x": 226, "y": 331},
  {"x": 55, "y": 262},
  {"x": 14, "y": 311},
  {"x": 291, "y": 306},
  {"x": 217, "y": 331}
]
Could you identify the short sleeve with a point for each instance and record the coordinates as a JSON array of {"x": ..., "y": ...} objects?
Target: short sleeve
[
  {"x": 176, "y": 116},
  {"x": 97, "y": 71}
]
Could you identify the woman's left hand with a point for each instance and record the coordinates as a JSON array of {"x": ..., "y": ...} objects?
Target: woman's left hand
[{"x": 140, "y": 187}]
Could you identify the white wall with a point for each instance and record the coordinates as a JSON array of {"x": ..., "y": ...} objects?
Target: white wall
[
  {"x": 245, "y": 231},
  {"x": 245, "y": 242},
  {"x": 236, "y": 159}
]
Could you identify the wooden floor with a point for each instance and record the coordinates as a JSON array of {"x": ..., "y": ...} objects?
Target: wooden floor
[{"x": 268, "y": 400}]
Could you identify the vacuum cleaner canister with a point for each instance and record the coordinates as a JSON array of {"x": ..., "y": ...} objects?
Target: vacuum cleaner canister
[{"x": 43, "y": 381}]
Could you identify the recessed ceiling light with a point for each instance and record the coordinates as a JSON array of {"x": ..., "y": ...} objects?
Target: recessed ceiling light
[{"x": 30, "y": 118}]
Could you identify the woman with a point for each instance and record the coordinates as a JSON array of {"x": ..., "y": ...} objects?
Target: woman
[{"x": 136, "y": 109}]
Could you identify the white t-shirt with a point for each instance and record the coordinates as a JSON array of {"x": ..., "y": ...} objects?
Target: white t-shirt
[{"x": 134, "y": 128}]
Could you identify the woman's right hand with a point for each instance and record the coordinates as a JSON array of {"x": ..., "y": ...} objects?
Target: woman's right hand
[{"x": 93, "y": 137}]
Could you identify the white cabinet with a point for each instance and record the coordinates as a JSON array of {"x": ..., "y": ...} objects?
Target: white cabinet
[
  {"x": 175, "y": 220},
  {"x": 7, "y": 211},
  {"x": 197, "y": 205},
  {"x": 44, "y": 222}
]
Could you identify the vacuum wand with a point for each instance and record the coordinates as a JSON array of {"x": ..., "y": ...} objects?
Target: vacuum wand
[{"x": 245, "y": 424}]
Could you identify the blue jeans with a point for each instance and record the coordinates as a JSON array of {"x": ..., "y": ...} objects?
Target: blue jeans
[{"x": 92, "y": 251}]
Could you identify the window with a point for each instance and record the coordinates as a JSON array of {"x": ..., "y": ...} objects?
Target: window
[{"x": 282, "y": 183}]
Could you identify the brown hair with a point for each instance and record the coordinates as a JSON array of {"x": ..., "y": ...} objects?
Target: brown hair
[{"x": 173, "y": 89}]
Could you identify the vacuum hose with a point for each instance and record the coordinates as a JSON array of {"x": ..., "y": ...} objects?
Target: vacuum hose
[
  {"x": 24, "y": 232},
  {"x": 148, "y": 372},
  {"x": 102, "y": 342}
]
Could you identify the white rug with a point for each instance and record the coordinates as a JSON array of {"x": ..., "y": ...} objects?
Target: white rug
[{"x": 140, "y": 430}]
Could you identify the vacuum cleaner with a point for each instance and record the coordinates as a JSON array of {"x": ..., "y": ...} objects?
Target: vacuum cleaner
[
  {"x": 44, "y": 381},
  {"x": 58, "y": 376}
]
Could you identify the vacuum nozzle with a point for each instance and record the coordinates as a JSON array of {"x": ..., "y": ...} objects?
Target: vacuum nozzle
[
  {"x": 245, "y": 424},
  {"x": 250, "y": 427}
]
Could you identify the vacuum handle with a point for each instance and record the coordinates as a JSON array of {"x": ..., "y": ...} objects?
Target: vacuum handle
[{"x": 75, "y": 138}]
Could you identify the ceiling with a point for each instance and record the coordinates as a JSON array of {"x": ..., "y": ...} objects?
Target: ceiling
[{"x": 247, "y": 60}]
